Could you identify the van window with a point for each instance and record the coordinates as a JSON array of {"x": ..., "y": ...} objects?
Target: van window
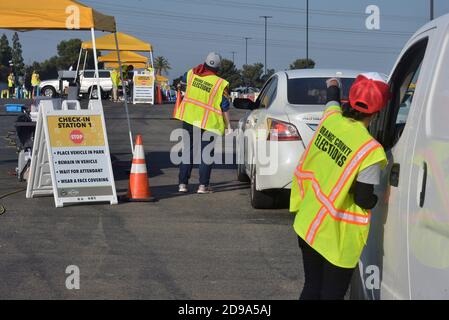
[
  {"x": 390, "y": 122},
  {"x": 105, "y": 74},
  {"x": 89, "y": 74}
]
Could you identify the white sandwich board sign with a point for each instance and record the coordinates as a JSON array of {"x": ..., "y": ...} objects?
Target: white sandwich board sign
[
  {"x": 71, "y": 157},
  {"x": 143, "y": 91}
]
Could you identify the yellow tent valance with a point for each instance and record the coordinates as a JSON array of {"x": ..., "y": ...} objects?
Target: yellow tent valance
[
  {"x": 126, "y": 43},
  {"x": 136, "y": 65},
  {"x": 161, "y": 78},
  {"x": 27, "y": 15},
  {"x": 125, "y": 57}
]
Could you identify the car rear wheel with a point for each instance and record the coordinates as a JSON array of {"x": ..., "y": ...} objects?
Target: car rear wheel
[
  {"x": 260, "y": 199},
  {"x": 106, "y": 95},
  {"x": 48, "y": 92},
  {"x": 93, "y": 92}
]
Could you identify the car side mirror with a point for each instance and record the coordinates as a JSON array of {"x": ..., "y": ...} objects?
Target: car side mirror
[{"x": 245, "y": 104}]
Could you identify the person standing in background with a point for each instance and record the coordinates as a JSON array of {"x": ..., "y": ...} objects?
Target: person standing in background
[
  {"x": 20, "y": 86},
  {"x": 35, "y": 83},
  {"x": 115, "y": 77},
  {"x": 11, "y": 84},
  {"x": 130, "y": 76}
]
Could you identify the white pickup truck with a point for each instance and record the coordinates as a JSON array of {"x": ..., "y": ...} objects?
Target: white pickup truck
[{"x": 88, "y": 83}]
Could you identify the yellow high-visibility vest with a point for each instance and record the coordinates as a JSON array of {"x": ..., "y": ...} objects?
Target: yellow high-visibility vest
[
  {"x": 115, "y": 77},
  {"x": 11, "y": 81},
  {"x": 327, "y": 217},
  {"x": 35, "y": 80},
  {"x": 201, "y": 106}
]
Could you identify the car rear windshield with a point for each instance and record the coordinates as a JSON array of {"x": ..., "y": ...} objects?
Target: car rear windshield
[
  {"x": 91, "y": 74},
  {"x": 312, "y": 91}
]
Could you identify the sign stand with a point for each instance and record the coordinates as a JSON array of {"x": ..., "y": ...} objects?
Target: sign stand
[
  {"x": 71, "y": 157},
  {"x": 143, "y": 91}
]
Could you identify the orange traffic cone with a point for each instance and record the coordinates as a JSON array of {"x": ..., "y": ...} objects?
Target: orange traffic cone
[
  {"x": 177, "y": 104},
  {"x": 158, "y": 95},
  {"x": 139, "y": 189}
]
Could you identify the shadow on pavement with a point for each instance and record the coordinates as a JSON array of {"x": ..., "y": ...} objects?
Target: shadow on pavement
[
  {"x": 171, "y": 191},
  {"x": 156, "y": 163}
]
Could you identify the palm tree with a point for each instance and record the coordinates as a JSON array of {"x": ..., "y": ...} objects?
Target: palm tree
[{"x": 161, "y": 65}]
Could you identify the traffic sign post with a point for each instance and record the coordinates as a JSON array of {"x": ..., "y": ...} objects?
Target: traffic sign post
[
  {"x": 71, "y": 157},
  {"x": 143, "y": 91}
]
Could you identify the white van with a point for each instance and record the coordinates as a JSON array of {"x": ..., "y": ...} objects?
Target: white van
[
  {"x": 408, "y": 245},
  {"x": 88, "y": 83}
]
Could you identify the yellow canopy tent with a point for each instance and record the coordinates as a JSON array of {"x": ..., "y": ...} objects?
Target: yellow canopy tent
[
  {"x": 125, "y": 41},
  {"x": 160, "y": 78},
  {"x": 136, "y": 65},
  {"x": 52, "y": 15},
  {"x": 26, "y": 15},
  {"x": 125, "y": 57}
]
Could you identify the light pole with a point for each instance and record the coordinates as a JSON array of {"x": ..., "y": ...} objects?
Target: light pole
[
  {"x": 246, "y": 49},
  {"x": 432, "y": 10},
  {"x": 266, "y": 18},
  {"x": 233, "y": 56},
  {"x": 307, "y": 34}
]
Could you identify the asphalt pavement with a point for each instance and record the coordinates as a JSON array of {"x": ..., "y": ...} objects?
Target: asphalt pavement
[{"x": 181, "y": 247}]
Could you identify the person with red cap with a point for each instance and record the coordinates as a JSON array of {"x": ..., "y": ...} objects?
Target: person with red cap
[{"x": 333, "y": 187}]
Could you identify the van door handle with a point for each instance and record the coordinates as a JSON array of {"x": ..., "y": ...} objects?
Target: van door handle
[
  {"x": 394, "y": 175},
  {"x": 422, "y": 195}
]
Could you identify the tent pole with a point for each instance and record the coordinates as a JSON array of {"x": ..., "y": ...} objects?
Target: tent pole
[
  {"x": 97, "y": 73},
  {"x": 78, "y": 64},
  {"x": 125, "y": 96},
  {"x": 85, "y": 60},
  {"x": 151, "y": 59}
]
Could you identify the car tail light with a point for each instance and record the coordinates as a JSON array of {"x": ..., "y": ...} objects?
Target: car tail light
[{"x": 282, "y": 131}]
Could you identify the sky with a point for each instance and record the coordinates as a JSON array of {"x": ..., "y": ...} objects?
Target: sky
[{"x": 184, "y": 31}]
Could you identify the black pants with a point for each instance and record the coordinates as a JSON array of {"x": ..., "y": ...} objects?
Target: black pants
[{"x": 323, "y": 280}]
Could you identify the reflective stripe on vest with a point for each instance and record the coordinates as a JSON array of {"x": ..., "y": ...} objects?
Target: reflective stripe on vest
[{"x": 328, "y": 203}]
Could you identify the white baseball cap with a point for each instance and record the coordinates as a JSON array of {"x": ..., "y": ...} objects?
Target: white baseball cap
[{"x": 213, "y": 60}]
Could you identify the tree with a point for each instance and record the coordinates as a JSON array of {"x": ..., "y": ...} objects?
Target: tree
[
  {"x": 5, "y": 51},
  {"x": 49, "y": 68},
  {"x": 17, "y": 58},
  {"x": 267, "y": 76},
  {"x": 252, "y": 75},
  {"x": 229, "y": 72},
  {"x": 177, "y": 81},
  {"x": 68, "y": 53},
  {"x": 5, "y": 57},
  {"x": 302, "y": 64},
  {"x": 161, "y": 65}
]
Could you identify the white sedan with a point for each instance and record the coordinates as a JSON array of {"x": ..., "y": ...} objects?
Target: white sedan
[{"x": 281, "y": 123}]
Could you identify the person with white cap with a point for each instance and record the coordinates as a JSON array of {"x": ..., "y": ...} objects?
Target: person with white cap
[
  {"x": 206, "y": 107},
  {"x": 333, "y": 187}
]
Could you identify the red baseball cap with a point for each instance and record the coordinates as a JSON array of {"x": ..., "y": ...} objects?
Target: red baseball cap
[{"x": 369, "y": 93}]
